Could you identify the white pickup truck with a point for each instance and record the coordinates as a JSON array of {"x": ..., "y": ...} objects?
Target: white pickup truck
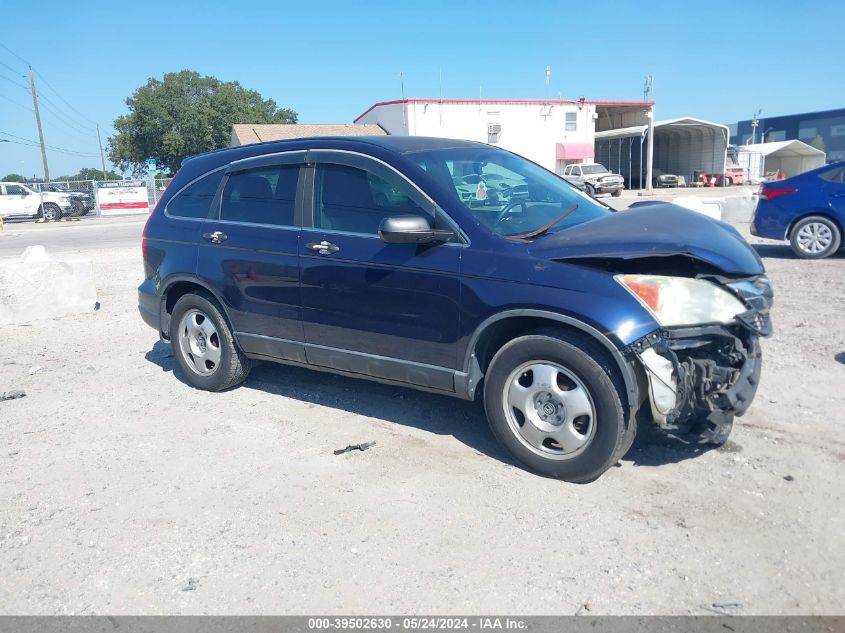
[
  {"x": 19, "y": 201},
  {"x": 595, "y": 178}
]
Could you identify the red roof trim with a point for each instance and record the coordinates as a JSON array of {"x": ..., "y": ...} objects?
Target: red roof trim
[{"x": 506, "y": 101}]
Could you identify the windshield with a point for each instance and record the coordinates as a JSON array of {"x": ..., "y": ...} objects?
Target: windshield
[
  {"x": 593, "y": 169},
  {"x": 510, "y": 195}
]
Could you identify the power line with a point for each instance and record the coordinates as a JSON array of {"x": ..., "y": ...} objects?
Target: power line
[
  {"x": 48, "y": 105},
  {"x": 14, "y": 54},
  {"x": 10, "y": 68},
  {"x": 53, "y": 147},
  {"x": 47, "y": 83},
  {"x": 12, "y": 81},
  {"x": 16, "y": 103}
]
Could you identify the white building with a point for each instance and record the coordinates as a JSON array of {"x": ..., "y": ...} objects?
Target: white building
[{"x": 552, "y": 133}]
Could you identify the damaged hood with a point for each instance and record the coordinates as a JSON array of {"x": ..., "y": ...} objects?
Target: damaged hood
[{"x": 654, "y": 230}]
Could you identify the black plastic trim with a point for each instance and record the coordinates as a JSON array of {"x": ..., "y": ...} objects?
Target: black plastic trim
[{"x": 467, "y": 381}]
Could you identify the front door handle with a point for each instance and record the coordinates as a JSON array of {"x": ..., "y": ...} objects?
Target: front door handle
[
  {"x": 324, "y": 247},
  {"x": 216, "y": 237},
  {"x": 838, "y": 195}
]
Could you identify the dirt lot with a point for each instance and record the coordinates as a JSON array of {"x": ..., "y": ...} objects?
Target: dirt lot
[{"x": 123, "y": 490}]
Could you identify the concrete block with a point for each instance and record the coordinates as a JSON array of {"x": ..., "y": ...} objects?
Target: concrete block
[{"x": 42, "y": 286}]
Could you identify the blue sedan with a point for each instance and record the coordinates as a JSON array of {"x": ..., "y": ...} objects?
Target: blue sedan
[{"x": 808, "y": 210}]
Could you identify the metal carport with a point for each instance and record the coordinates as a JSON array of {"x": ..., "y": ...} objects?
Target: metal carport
[{"x": 683, "y": 146}]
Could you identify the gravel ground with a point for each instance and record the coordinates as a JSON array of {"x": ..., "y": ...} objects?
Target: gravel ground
[{"x": 124, "y": 491}]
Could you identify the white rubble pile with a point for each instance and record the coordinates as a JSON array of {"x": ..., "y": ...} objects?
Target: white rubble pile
[{"x": 42, "y": 286}]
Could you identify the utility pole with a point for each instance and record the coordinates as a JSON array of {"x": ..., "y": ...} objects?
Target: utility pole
[
  {"x": 648, "y": 90},
  {"x": 102, "y": 158},
  {"x": 38, "y": 123}
]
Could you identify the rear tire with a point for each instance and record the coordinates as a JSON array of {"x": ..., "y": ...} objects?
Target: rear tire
[
  {"x": 558, "y": 384},
  {"x": 815, "y": 237},
  {"x": 204, "y": 346}
]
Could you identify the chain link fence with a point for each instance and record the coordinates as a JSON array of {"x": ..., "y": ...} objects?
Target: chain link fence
[{"x": 86, "y": 198}]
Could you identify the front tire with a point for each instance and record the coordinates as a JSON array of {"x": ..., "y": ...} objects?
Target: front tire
[
  {"x": 204, "y": 346},
  {"x": 50, "y": 211},
  {"x": 617, "y": 193},
  {"x": 815, "y": 237},
  {"x": 555, "y": 401}
]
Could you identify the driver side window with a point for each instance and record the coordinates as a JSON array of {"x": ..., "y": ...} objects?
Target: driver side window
[{"x": 357, "y": 200}]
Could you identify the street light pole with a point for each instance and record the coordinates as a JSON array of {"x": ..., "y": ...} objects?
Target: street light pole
[{"x": 755, "y": 121}]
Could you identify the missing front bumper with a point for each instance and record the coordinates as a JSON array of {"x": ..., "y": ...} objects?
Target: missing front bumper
[{"x": 700, "y": 374}]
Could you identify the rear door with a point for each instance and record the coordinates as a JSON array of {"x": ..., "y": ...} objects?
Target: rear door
[
  {"x": 383, "y": 310},
  {"x": 834, "y": 189},
  {"x": 249, "y": 253}
]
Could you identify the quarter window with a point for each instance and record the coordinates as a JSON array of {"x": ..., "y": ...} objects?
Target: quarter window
[
  {"x": 194, "y": 200},
  {"x": 263, "y": 195},
  {"x": 834, "y": 175},
  {"x": 354, "y": 200}
]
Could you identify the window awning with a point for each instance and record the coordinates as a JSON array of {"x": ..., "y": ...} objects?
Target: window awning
[{"x": 575, "y": 151}]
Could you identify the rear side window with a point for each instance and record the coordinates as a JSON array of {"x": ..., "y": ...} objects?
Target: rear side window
[
  {"x": 194, "y": 200},
  {"x": 262, "y": 195},
  {"x": 834, "y": 175}
]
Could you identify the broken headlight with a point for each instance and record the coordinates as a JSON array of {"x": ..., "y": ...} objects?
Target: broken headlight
[{"x": 681, "y": 300}]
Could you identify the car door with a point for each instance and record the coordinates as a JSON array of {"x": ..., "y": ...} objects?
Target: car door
[
  {"x": 383, "y": 310},
  {"x": 15, "y": 201},
  {"x": 249, "y": 253},
  {"x": 834, "y": 189}
]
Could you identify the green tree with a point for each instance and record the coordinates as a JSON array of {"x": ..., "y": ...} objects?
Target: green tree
[
  {"x": 92, "y": 173},
  {"x": 184, "y": 114},
  {"x": 14, "y": 178},
  {"x": 818, "y": 143}
]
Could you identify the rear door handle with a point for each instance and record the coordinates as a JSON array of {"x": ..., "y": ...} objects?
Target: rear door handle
[
  {"x": 838, "y": 195},
  {"x": 216, "y": 237},
  {"x": 324, "y": 247}
]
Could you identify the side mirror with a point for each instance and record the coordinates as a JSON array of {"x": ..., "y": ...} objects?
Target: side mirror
[{"x": 410, "y": 229}]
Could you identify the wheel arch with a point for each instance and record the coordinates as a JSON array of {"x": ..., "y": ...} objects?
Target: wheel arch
[
  {"x": 822, "y": 213},
  {"x": 177, "y": 287},
  {"x": 504, "y": 326}
]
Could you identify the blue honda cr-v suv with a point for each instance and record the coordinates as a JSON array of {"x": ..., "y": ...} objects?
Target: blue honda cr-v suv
[{"x": 461, "y": 269}]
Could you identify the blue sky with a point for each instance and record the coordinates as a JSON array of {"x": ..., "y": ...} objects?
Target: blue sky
[{"x": 331, "y": 60}]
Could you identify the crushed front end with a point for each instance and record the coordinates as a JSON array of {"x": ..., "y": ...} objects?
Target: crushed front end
[{"x": 698, "y": 378}]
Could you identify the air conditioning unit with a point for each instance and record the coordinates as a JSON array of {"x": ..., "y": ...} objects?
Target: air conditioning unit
[{"x": 494, "y": 128}]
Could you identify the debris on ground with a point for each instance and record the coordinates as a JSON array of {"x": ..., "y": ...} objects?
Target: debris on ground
[
  {"x": 35, "y": 369},
  {"x": 192, "y": 584},
  {"x": 789, "y": 478},
  {"x": 354, "y": 447},
  {"x": 12, "y": 395}
]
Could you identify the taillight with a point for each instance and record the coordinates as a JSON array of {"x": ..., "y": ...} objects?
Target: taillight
[{"x": 770, "y": 193}]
